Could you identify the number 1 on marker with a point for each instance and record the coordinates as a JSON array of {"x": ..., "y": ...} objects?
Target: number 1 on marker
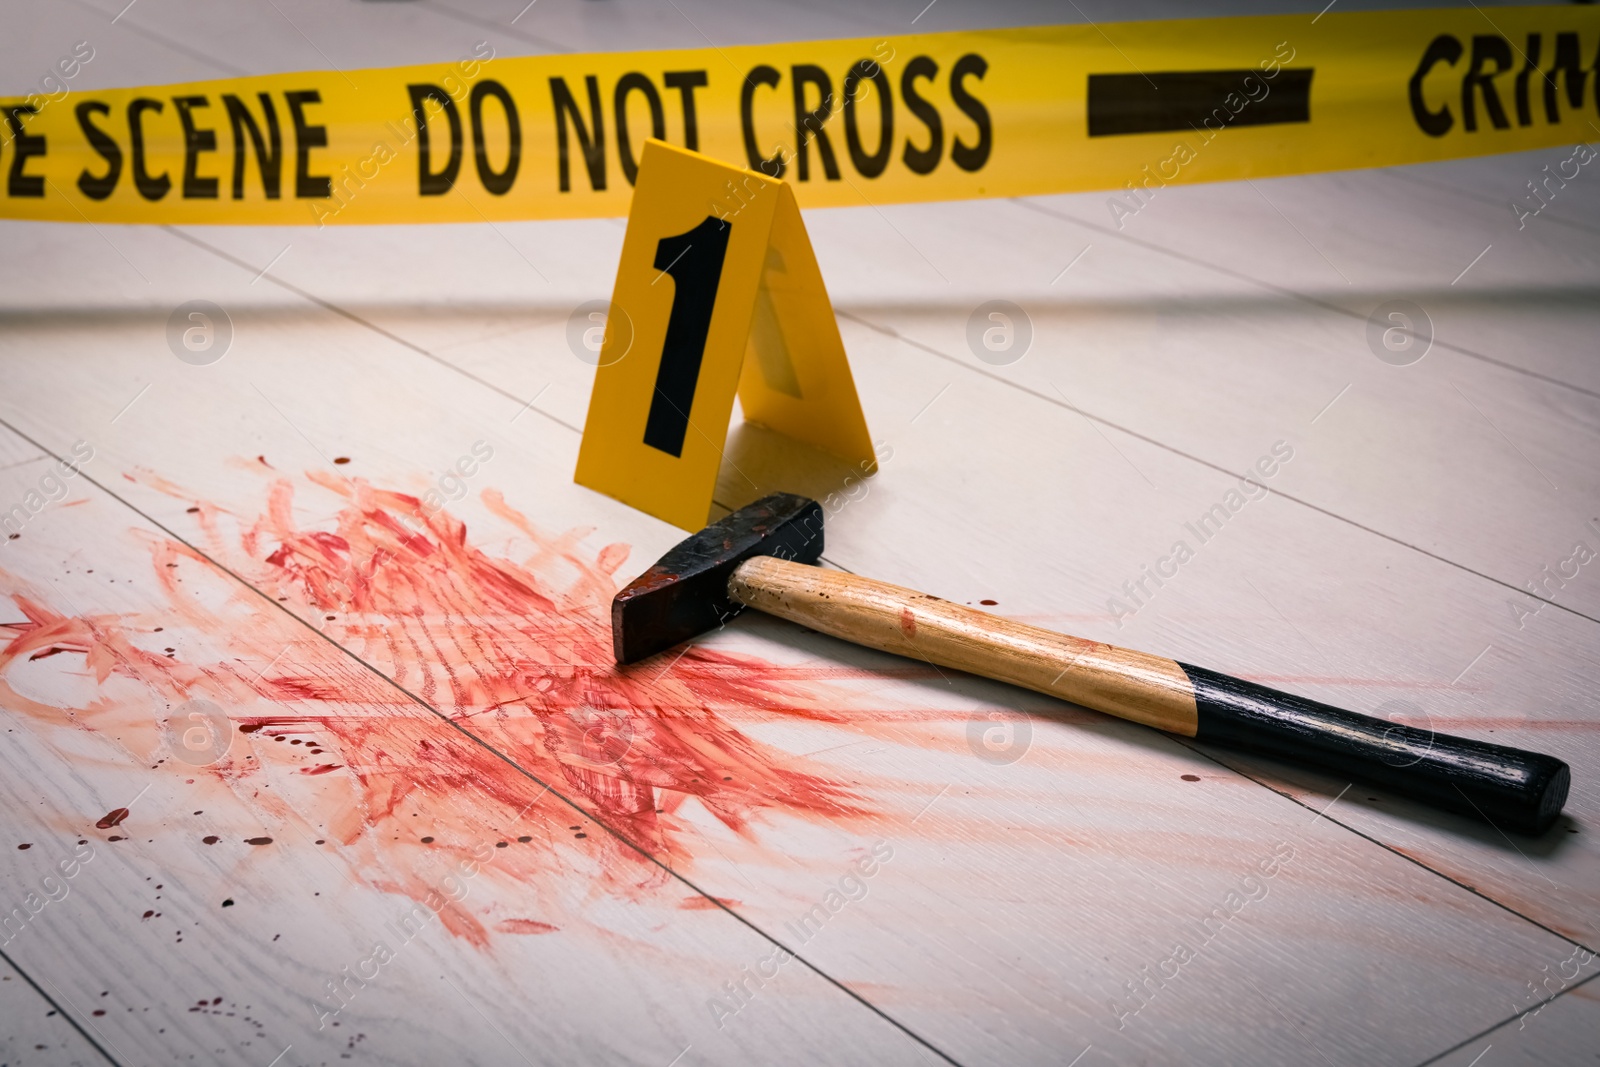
[{"x": 694, "y": 260}]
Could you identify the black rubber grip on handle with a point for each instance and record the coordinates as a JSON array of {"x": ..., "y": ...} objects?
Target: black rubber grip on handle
[{"x": 1514, "y": 789}]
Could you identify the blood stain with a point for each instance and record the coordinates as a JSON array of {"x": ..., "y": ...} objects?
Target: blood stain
[
  {"x": 988, "y": 603},
  {"x": 112, "y": 818},
  {"x": 258, "y": 840},
  {"x": 1190, "y": 777},
  {"x": 708, "y": 903},
  {"x": 517, "y": 650}
]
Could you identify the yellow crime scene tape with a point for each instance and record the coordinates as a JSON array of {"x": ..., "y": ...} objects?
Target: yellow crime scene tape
[{"x": 1128, "y": 107}]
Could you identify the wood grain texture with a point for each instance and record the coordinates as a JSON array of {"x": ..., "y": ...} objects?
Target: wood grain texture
[
  {"x": 32, "y": 1031},
  {"x": 1551, "y": 1033},
  {"x": 1069, "y": 820},
  {"x": 1023, "y": 896},
  {"x": 1302, "y": 602},
  {"x": 1118, "y": 681},
  {"x": 335, "y": 870}
]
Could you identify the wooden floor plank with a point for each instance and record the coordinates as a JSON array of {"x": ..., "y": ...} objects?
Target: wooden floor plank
[
  {"x": 33, "y": 1031},
  {"x": 14, "y": 451},
  {"x": 1360, "y": 239},
  {"x": 1466, "y": 460},
  {"x": 1063, "y": 839},
  {"x": 1557, "y": 1033},
  {"x": 1023, "y": 898},
  {"x": 257, "y": 818},
  {"x": 1298, "y": 600},
  {"x": 1502, "y": 182},
  {"x": 1498, "y": 624},
  {"x": 1470, "y": 461}
]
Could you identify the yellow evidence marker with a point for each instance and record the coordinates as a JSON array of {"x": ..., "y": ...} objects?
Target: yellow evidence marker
[{"x": 718, "y": 293}]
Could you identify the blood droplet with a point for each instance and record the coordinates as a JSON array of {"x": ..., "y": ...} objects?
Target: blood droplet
[{"x": 518, "y": 650}]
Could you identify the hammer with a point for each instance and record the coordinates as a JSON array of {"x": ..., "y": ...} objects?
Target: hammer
[{"x": 763, "y": 556}]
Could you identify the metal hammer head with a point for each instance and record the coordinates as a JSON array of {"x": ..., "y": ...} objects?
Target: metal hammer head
[{"x": 686, "y": 592}]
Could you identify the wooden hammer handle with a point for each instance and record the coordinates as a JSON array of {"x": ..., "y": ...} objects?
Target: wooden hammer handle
[{"x": 1513, "y": 788}]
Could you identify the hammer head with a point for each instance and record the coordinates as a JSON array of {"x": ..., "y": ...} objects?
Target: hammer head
[{"x": 686, "y": 592}]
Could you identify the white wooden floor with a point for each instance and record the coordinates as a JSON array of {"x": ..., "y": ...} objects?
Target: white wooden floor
[{"x": 411, "y": 758}]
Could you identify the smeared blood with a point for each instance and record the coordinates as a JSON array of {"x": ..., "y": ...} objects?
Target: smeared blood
[
  {"x": 908, "y": 623},
  {"x": 517, "y": 651}
]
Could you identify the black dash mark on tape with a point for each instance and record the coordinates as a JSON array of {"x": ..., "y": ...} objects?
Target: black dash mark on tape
[{"x": 1185, "y": 100}]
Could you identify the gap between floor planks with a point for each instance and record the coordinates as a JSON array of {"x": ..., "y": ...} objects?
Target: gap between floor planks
[
  {"x": 548, "y": 787},
  {"x": 70, "y": 1017},
  {"x": 1294, "y": 294},
  {"x": 890, "y": 332},
  {"x": 1289, "y": 292},
  {"x": 887, "y": 331},
  {"x": 689, "y": 883},
  {"x": 1486, "y": 1031},
  {"x": 493, "y": 387}
]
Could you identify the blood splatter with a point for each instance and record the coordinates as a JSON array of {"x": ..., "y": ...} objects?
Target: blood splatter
[
  {"x": 517, "y": 651},
  {"x": 112, "y": 818}
]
